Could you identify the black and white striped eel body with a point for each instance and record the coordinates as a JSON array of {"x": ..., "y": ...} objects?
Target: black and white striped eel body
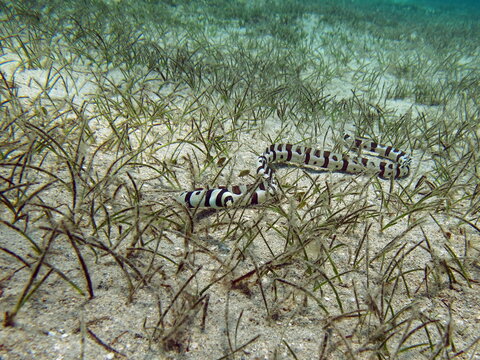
[{"x": 398, "y": 166}]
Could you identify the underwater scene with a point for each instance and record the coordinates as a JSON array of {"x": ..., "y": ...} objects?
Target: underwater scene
[{"x": 249, "y": 179}]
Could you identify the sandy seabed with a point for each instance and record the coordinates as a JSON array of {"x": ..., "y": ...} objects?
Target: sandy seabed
[{"x": 272, "y": 282}]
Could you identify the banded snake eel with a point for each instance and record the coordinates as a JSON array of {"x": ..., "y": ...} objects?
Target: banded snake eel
[{"x": 398, "y": 166}]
